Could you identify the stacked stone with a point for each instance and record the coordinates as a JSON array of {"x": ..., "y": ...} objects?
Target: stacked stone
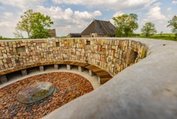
[{"x": 111, "y": 55}]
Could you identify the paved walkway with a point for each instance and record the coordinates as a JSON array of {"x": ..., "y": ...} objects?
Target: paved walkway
[{"x": 92, "y": 79}]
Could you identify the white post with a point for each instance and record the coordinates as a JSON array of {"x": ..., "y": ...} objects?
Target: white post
[
  {"x": 90, "y": 73},
  {"x": 55, "y": 66},
  {"x": 24, "y": 72},
  {"x": 68, "y": 67},
  {"x": 99, "y": 80},
  {"x": 80, "y": 68},
  {"x": 41, "y": 68}
]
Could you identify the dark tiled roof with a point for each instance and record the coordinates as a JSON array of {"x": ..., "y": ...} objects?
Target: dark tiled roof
[
  {"x": 100, "y": 27},
  {"x": 74, "y": 35}
]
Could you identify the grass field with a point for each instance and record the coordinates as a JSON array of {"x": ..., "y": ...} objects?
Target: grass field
[{"x": 165, "y": 36}]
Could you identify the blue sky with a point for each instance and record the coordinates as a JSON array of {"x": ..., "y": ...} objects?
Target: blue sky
[{"x": 72, "y": 16}]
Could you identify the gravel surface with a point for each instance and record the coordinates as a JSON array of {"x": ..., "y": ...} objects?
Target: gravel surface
[{"x": 69, "y": 86}]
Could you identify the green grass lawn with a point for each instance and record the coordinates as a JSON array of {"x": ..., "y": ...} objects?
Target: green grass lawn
[
  {"x": 165, "y": 36},
  {"x": 162, "y": 36}
]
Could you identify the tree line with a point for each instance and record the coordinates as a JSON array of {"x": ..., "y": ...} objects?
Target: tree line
[
  {"x": 126, "y": 24},
  {"x": 35, "y": 24}
]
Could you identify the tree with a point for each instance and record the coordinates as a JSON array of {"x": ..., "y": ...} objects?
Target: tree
[
  {"x": 25, "y": 23},
  {"x": 173, "y": 25},
  {"x": 125, "y": 24},
  {"x": 35, "y": 24},
  {"x": 148, "y": 29},
  {"x": 18, "y": 34},
  {"x": 39, "y": 25},
  {"x": 1, "y": 37}
]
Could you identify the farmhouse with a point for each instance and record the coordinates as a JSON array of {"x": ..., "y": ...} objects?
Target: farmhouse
[{"x": 99, "y": 28}]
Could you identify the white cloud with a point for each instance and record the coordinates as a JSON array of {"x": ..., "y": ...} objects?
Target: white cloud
[
  {"x": 21, "y": 3},
  {"x": 68, "y": 14},
  {"x": 119, "y": 13},
  {"x": 8, "y": 19},
  {"x": 86, "y": 15},
  {"x": 111, "y": 4},
  {"x": 155, "y": 14},
  {"x": 174, "y": 1},
  {"x": 8, "y": 22},
  {"x": 70, "y": 20},
  {"x": 169, "y": 9},
  {"x": 67, "y": 20},
  {"x": 89, "y": 2},
  {"x": 5, "y": 24}
]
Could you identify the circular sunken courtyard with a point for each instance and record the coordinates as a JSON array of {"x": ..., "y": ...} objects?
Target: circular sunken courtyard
[{"x": 68, "y": 87}]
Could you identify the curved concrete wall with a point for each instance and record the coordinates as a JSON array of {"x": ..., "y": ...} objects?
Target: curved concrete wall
[{"x": 107, "y": 54}]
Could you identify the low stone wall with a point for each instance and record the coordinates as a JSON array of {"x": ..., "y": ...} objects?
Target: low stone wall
[{"x": 110, "y": 55}]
